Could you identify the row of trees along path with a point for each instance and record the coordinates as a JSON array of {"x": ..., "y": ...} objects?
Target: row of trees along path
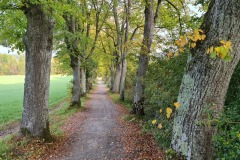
[{"x": 204, "y": 84}]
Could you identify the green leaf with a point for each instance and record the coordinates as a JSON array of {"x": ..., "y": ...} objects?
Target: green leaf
[
  {"x": 228, "y": 58},
  {"x": 213, "y": 55}
]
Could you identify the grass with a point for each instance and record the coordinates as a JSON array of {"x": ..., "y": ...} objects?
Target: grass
[
  {"x": 127, "y": 104},
  {"x": 10, "y": 147},
  {"x": 115, "y": 97},
  {"x": 11, "y": 96}
]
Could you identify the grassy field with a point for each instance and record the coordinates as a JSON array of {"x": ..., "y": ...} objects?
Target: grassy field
[{"x": 11, "y": 95}]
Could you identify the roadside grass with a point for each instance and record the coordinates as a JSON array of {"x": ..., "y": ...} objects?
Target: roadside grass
[
  {"x": 127, "y": 104},
  {"x": 11, "y": 96},
  {"x": 11, "y": 147},
  {"x": 116, "y": 98}
]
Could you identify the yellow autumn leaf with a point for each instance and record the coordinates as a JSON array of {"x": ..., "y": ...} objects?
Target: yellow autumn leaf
[
  {"x": 160, "y": 126},
  {"x": 182, "y": 41},
  {"x": 177, "y": 42},
  {"x": 154, "y": 121},
  {"x": 176, "y": 54},
  {"x": 223, "y": 42},
  {"x": 196, "y": 31},
  {"x": 181, "y": 49},
  {"x": 228, "y": 44},
  {"x": 193, "y": 45},
  {"x": 218, "y": 50},
  {"x": 168, "y": 115},
  {"x": 177, "y": 105},
  {"x": 169, "y": 55},
  {"x": 200, "y": 30},
  {"x": 203, "y": 37},
  {"x": 160, "y": 110},
  {"x": 224, "y": 52},
  {"x": 210, "y": 50},
  {"x": 195, "y": 38},
  {"x": 169, "y": 110}
]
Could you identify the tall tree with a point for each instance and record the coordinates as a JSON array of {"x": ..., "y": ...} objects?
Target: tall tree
[
  {"x": 127, "y": 6},
  {"x": 118, "y": 48},
  {"x": 149, "y": 25},
  {"x": 205, "y": 82},
  {"x": 72, "y": 43},
  {"x": 100, "y": 11},
  {"x": 38, "y": 42}
]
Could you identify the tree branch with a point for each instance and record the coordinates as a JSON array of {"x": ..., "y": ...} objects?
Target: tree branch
[
  {"x": 179, "y": 15},
  {"x": 157, "y": 10}
]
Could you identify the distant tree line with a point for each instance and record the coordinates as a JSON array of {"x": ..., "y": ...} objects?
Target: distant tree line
[
  {"x": 15, "y": 65},
  {"x": 12, "y": 64}
]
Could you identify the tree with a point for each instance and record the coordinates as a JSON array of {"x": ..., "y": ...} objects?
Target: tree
[
  {"x": 72, "y": 43},
  {"x": 205, "y": 82},
  {"x": 150, "y": 19},
  {"x": 38, "y": 42}
]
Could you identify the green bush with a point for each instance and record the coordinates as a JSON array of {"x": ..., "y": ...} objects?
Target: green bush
[
  {"x": 162, "y": 83},
  {"x": 227, "y": 139}
]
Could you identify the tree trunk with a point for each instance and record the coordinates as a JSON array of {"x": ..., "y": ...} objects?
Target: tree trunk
[
  {"x": 83, "y": 81},
  {"x": 76, "y": 91},
  {"x": 124, "y": 61},
  {"x": 205, "y": 82},
  {"x": 117, "y": 77},
  {"x": 144, "y": 58},
  {"x": 118, "y": 50},
  {"x": 38, "y": 41},
  {"x": 123, "y": 78},
  {"x": 72, "y": 43},
  {"x": 111, "y": 77}
]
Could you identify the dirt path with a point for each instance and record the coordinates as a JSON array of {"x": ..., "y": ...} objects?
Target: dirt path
[{"x": 100, "y": 133}]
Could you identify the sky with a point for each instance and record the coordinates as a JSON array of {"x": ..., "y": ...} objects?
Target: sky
[{"x": 7, "y": 50}]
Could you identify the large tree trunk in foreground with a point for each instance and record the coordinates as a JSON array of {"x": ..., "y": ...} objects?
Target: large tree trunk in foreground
[
  {"x": 38, "y": 41},
  {"x": 83, "y": 81},
  {"x": 205, "y": 83},
  {"x": 144, "y": 58},
  {"x": 76, "y": 90}
]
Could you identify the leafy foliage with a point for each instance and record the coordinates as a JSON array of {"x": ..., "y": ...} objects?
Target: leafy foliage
[
  {"x": 163, "y": 82},
  {"x": 227, "y": 139}
]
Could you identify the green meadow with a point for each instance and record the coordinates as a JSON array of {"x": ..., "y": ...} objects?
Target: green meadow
[{"x": 11, "y": 95}]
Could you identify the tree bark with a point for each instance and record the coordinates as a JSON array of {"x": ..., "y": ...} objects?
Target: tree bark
[
  {"x": 74, "y": 52},
  {"x": 125, "y": 50},
  {"x": 117, "y": 76},
  {"x": 118, "y": 51},
  {"x": 76, "y": 90},
  {"x": 123, "y": 77},
  {"x": 205, "y": 82},
  {"x": 112, "y": 76},
  {"x": 38, "y": 41},
  {"x": 144, "y": 58},
  {"x": 83, "y": 81}
]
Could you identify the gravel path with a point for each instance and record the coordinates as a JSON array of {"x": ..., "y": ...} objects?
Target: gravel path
[
  {"x": 100, "y": 133},
  {"x": 94, "y": 136}
]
